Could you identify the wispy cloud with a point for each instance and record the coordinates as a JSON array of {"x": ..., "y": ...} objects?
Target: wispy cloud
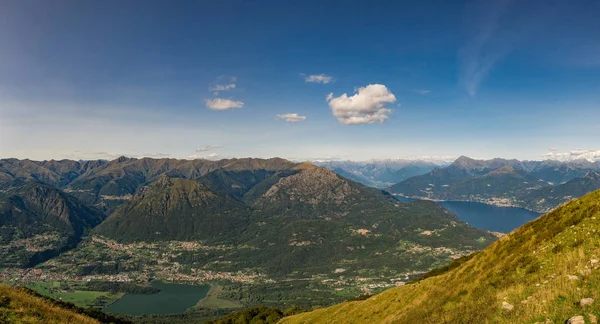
[
  {"x": 317, "y": 78},
  {"x": 366, "y": 106},
  {"x": 499, "y": 27},
  {"x": 291, "y": 118},
  {"x": 422, "y": 92},
  {"x": 222, "y": 104},
  {"x": 223, "y": 83},
  {"x": 222, "y": 87},
  {"x": 483, "y": 51},
  {"x": 205, "y": 148}
]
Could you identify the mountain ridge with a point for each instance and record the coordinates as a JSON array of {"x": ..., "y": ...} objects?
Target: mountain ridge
[{"x": 498, "y": 182}]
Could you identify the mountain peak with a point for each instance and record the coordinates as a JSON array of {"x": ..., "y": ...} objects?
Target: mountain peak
[
  {"x": 122, "y": 159},
  {"x": 464, "y": 161},
  {"x": 164, "y": 181}
]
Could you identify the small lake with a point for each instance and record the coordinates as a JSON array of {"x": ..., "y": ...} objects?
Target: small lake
[
  {"x": 172, "y": 299},
  {"x": 488, "y": 217}
]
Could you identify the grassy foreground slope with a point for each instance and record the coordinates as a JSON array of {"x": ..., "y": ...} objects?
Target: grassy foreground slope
[
  {"x": 543, "y": 271},
  {"x": 19, "y": 306}
]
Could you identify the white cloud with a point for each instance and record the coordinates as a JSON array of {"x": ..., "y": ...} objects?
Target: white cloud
[
  {"x": 211, "y": 156},
  {"x": 367, "y": 106},
  {"x": 222, "y": 104},
  {"x": 577, "y": 154},
  {"x": 205, "y": 148},
  {"x": 291, "y": 118},
  {"x": 317, "y": 78}
]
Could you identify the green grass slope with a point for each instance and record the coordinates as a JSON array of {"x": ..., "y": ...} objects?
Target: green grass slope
[
  {"x": 19, "y": 306},
  {"x": 541, "y": 272}
]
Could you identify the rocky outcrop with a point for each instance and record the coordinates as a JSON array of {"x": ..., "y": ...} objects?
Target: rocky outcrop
[
  {"x": 576, "y": 320},
  {"x": 312, "y": 186}
]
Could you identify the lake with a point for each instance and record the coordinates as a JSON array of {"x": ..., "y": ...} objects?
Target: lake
[
  {"x": 172, "y": 299},
  {"x": 488, "y": 217}
]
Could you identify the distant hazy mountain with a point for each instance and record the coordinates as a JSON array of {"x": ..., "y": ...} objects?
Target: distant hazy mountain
[
  {"x": 549, "y": 197},
  {"x": 383, "y": 173},
  {"x": 501, "y": 182}
]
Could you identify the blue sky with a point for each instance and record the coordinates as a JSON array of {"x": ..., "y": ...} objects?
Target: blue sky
[{"x": 98, "y": 79}]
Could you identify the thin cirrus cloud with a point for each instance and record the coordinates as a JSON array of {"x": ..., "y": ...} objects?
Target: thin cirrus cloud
[
  {"x": 366, "y": 106},
  {"x": 291, "y": 118},
  {"x": 222, "y": 104},
  {"x": 499, "y": 26},
  {"x": 317, "y": 78},
  {"x": 422, "y": 92},
  {"x": 205, "y": 148}
]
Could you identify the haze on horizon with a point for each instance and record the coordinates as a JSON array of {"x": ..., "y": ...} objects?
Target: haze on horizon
[{"x": 303, "y": 81}]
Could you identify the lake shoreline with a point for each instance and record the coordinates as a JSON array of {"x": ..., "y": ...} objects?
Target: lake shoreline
[
  {"x": 173, "y": 298},
  {"x": 486, "y": 202},
  {"x": 492, "y": 218}
]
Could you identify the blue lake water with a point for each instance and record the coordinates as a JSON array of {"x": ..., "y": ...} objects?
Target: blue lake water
[
  {"x": 488, "y": 217},
  {"x": 172, "y": 299}
]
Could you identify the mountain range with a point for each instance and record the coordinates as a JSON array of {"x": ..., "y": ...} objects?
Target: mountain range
[
  {"x": 386, "y": 172},
  {"x": 250, "y": 222},
  {"x": 282, "y": 233},
  {"x": 536, "y": 185}
]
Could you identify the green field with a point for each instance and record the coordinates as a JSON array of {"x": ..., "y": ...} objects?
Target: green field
[
  {"x": 213, "y": 301},
  {"x": 69, "y": 292}
]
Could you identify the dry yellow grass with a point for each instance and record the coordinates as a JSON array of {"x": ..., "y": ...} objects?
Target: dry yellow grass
[
  {"x": 533, "y": 269},
  {"x": 17, "y": 306}
]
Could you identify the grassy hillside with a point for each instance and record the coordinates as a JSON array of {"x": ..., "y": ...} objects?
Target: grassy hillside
[
  {"x": 19, "y": 306},
  {"x": 543, "y": 270}
]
